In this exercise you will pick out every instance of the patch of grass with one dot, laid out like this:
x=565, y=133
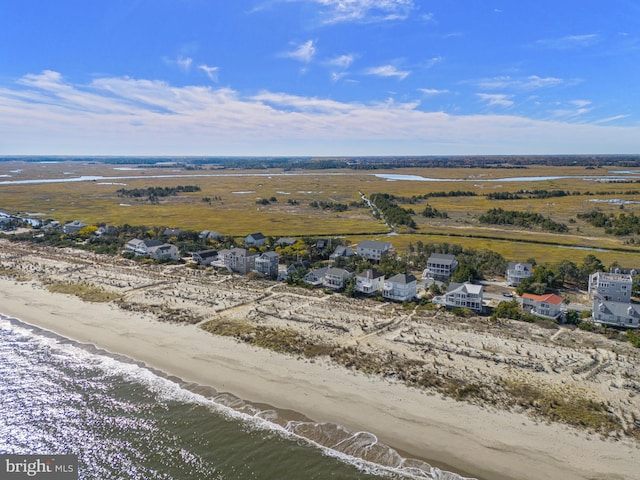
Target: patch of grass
x=572, y=408
x=86, y=292
x=281, y=340
x=14, y=274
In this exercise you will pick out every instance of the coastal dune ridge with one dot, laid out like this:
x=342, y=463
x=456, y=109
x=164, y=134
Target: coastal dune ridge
x=470, y=439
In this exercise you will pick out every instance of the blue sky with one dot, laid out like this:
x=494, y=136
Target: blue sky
x=319, y=77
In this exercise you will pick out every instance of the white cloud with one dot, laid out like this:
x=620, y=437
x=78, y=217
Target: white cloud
x=342, y=61
x=580, y=103
x=531, y=82
x=303, y=53
x=388, y=71
x=433, y=61
x=338, y=11
x=126, y=116
x=611, y=119
x=183, y=63
x=212, y=72
x=570, y=41
x=432, y=91
x=498, y=99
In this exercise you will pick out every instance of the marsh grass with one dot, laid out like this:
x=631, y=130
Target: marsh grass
x=86, y=292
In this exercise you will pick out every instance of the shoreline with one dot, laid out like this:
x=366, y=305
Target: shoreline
x=464, y=438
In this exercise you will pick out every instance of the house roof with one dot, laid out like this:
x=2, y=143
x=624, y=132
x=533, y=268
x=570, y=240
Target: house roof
x=256, y=236
x=612, y=277
x=525, y=266
x=465, y=287
x=619, y=309
x=342, y=251
x=172, y=232
x=318, y=272
x=370, y=274
x=286, y=241
x=372, y=244
x=441, y=258
x=269, y=254
x=402, y=279
x=551, y=298
x=206, y=253
x=338, y=272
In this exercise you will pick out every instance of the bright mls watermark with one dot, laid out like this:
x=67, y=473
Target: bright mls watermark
x=49, y=467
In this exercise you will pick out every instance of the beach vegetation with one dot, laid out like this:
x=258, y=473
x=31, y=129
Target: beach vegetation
x=567, y=406
x=85, y=291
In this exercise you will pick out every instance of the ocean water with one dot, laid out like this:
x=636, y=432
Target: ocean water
x=125, y=421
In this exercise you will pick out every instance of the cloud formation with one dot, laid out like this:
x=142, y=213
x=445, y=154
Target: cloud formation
x=570, y=41
x=338, y=11
x=496, y=99
x=531, y=82
x=303, y=53
x=388, y=71
x=211, y=72
x=47, y=114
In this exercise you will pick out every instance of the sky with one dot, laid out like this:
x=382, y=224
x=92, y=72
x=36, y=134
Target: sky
x=319, y=77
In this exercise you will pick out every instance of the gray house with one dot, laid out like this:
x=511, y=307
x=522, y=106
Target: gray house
x=342, y=251
x=369, y=282
x=440, y=266
x=164, y=252
x=255, y=240
x=335, y=278
x=619, y=314
x=73, y=227
x=267, y=264
x=372, y=250
x=238, y=260
x=516, y=272
x=315, y=277
x=400, y=287
x=204, y=257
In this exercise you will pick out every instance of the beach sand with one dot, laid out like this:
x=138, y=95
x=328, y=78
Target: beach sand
x=469, y=439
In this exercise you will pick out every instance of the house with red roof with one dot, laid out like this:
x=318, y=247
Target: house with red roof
x=547, y=306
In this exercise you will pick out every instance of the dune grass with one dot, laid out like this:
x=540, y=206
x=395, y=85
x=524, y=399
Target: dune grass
x=86, y=292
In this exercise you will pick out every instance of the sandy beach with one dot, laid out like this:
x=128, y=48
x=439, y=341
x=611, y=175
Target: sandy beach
x=484, y=441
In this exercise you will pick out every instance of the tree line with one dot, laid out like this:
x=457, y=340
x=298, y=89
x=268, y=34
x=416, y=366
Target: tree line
x=498, y=216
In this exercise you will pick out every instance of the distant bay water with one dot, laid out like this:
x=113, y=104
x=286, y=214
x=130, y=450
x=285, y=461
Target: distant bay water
x=125, y=421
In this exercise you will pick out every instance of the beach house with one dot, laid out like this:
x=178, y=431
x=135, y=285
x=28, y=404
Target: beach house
x=372, y=250
x=238, y=260
x=341, y=252
x=611, y=287
x=619, y=314
x=464, y=295
x=315, y=277
x=516, y=272
x=204, y=257
x=140, y=247
x=547, y=306
x=255, y=240
x=440, y=266
x=335, y=278
x=164, y=252
x=73, y=227
x=400, y=287
x=369, y=282
x=267, y=264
